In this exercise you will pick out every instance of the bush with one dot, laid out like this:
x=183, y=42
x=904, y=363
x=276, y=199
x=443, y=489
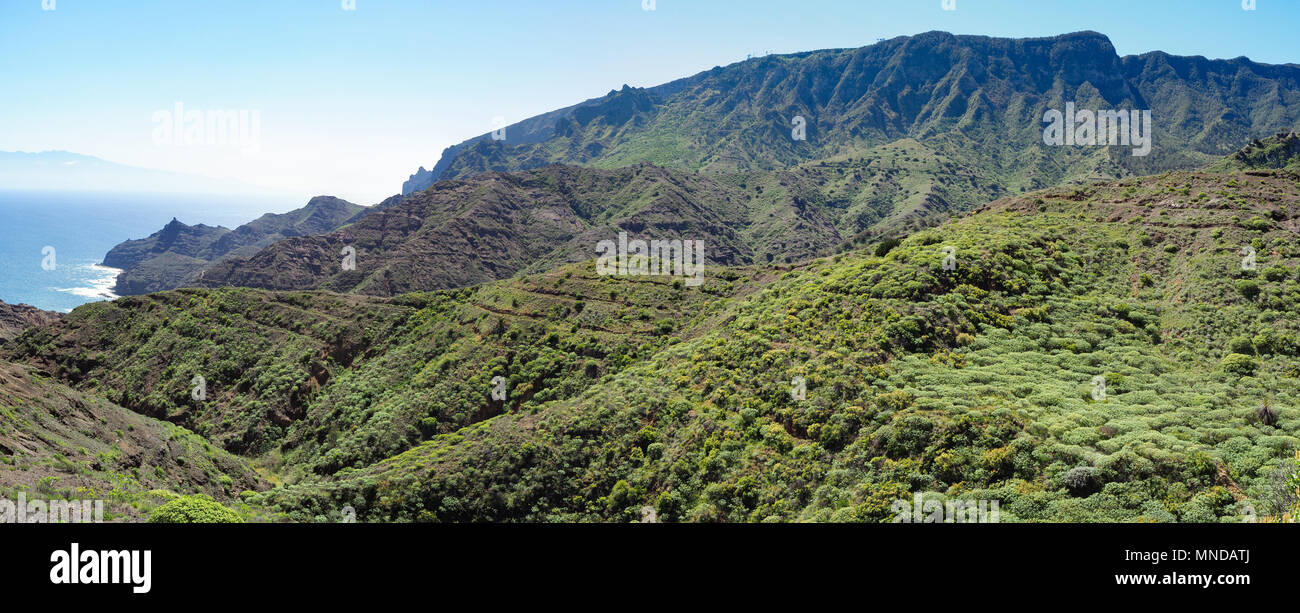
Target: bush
x=1081, y=480
x=886, y=246
x=1275, y=273
x=1257, y=224
x=1238, y=364
x=1248, y=288
x=197, y=509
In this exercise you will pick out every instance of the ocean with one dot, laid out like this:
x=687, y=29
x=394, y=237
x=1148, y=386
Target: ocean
x=81, y=227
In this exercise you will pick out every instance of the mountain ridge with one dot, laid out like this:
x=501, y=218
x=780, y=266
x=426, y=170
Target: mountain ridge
x=494, y=225
x=858, y=88
x=174, y=255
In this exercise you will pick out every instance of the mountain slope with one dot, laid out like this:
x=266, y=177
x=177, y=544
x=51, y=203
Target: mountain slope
x=172, y=256
x=14, y=318
x=976, y=383
x=900, y=135
x=329, y=382
x=1274, y=152
x=976, y=100
x=260, y=356
x=494, y=225
x=60, y=444
x=621, y=393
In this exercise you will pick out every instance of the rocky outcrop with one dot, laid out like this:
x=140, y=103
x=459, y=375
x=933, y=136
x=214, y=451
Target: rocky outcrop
x=175, y=255
x=14, y=318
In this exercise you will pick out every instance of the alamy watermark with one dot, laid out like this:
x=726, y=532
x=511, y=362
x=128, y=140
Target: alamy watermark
x=499, y=391
x=949, y=261
x=675, y=257
x=38, y=511
x=800, y=130
x=199, y=388
x=955, y=511
x=1099, y=388
x=1099, y=128
x=99, y=567
x=349, y=254
x=181, y=127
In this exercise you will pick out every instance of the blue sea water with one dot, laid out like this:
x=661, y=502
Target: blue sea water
x=81, y=227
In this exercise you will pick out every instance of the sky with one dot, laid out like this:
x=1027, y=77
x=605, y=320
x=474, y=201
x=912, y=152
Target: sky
x=349, y=101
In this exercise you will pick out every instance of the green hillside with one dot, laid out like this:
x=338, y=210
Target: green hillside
x=977, y=101
x=623, y=393
x=57, y=443
x=975, y=383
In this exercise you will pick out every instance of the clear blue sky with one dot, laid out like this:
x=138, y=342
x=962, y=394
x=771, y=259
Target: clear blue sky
x=353, y=101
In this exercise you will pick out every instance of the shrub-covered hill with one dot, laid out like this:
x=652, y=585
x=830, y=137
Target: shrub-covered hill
x=317, y=382
x=981, y=382
x=57, y=443
x=260, y=355
x=984, y=382
x=1280, y=151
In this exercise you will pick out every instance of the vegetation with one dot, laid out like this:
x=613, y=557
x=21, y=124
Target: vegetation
x=57, y=443
x=491, y=226
x=1109, y=352
x=198, y=509
x=972, y=102
x=979, y=382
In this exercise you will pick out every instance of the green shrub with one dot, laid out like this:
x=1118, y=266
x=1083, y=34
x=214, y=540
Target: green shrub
x=1243, y=345
x=1275, y=273
x=1258, y=224
x=197, y=509
x=886, y=246
x=1248, y=288
x=1238, y=364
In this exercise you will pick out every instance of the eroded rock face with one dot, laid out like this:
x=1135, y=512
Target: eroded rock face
x=14, y=318
x=494, y=225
